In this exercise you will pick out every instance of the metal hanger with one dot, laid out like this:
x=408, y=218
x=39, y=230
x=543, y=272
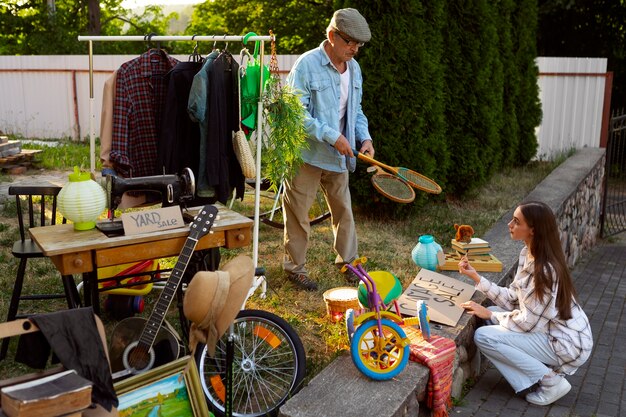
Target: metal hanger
x=148, y=38
x=195, y=56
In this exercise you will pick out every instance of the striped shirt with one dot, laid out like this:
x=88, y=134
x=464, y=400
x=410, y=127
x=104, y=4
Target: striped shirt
x=571, y=339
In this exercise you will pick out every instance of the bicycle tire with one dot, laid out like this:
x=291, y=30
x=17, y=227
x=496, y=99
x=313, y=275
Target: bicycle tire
x=268, y=353
x=280, y=225
x=317, y=213
x=379, y=364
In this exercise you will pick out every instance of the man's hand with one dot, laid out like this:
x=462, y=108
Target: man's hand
x=367, y=148
x=343, y=146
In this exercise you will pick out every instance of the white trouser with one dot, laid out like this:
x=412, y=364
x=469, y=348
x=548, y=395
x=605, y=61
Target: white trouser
x=522, y=358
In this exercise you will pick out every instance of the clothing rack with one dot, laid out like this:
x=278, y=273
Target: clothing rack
x=194, y=38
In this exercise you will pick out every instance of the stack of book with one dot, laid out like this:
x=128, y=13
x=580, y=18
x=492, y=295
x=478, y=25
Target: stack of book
x=477, y=246
x=478, y=253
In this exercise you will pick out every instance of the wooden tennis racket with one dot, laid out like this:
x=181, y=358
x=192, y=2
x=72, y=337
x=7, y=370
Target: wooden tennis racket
x=414, y=179
x=391, y=186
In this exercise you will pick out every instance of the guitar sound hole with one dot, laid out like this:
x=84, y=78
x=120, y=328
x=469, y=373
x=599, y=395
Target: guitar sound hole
x=138, y=358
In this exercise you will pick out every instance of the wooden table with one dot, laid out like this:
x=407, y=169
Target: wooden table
x=83, y=252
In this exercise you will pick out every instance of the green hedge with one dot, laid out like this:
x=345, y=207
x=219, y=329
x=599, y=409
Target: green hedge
x=450, y=90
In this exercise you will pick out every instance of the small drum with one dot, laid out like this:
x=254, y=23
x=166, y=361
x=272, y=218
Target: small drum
x=338, y=300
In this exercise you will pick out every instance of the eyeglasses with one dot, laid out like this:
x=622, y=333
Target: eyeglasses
x=350, y=42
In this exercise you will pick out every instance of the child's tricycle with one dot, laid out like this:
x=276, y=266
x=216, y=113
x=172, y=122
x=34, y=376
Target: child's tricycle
x=378, y=346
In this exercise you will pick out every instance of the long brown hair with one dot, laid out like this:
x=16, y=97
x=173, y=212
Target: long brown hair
x=546, y=247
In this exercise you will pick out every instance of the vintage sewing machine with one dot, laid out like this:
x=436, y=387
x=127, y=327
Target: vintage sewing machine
x=174, y=189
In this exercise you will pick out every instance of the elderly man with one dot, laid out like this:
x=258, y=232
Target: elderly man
x=330, y=83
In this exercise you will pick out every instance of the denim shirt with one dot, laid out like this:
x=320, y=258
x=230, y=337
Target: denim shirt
x=318, y=83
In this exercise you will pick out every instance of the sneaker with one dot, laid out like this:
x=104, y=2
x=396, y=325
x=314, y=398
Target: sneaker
x=340, y=265
x=548, y=394
x=302, y=281
x=349, y=276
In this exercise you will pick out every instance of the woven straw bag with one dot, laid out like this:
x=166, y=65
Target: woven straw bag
x=244, y=154
x=242, y=147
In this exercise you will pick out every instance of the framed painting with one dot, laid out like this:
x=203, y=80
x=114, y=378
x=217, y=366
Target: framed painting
x=171, y=390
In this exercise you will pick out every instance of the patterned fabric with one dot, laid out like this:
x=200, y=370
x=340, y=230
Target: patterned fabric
x=139, y=99
x=438, y=355
x=571, y=339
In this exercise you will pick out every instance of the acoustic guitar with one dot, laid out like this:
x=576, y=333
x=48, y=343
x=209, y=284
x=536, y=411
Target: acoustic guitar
x=138, y=345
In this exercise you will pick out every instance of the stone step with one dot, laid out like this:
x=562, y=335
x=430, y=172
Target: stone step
x=341, y=390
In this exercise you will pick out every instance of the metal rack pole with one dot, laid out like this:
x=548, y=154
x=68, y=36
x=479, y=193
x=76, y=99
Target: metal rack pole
x=92, y=127
x=157, y=38
x=257, y=185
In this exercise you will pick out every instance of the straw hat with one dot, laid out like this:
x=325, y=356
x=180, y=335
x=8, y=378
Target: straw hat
x=213, y=299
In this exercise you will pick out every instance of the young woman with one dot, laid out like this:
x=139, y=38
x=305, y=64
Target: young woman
x=537, y=331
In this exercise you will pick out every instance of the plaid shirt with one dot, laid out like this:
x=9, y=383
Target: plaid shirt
x=139, y=100
x=571, y=339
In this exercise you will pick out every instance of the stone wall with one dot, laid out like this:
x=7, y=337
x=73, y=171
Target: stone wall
x=579, y=217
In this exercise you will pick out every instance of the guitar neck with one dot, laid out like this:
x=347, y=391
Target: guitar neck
x=157, y=316
x=200, y=226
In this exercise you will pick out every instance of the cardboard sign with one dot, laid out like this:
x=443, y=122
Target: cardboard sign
x=164, y=218
x=442, y=294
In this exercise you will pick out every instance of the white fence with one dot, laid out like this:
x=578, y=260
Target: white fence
x=48, y=97
x=572, y=93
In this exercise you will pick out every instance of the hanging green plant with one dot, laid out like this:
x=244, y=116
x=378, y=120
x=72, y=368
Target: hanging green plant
x=284, y=133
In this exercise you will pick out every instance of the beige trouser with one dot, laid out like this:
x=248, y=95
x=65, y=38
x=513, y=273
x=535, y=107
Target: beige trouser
x=298, y=198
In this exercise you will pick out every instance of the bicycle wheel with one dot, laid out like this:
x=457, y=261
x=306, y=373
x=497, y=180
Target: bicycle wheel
x=270, y=206
x=269, y=366
x=379, y=357
x=317, y=214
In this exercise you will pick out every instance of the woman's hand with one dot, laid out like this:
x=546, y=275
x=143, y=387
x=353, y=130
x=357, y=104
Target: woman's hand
x=477, y=310
x=466, y=268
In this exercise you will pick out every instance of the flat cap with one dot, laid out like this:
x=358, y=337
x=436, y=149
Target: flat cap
x=352, y=23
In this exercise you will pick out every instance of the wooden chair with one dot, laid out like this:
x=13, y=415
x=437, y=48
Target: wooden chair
x=36, y=206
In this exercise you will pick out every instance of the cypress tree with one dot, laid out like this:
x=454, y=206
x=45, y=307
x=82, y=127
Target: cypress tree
x=450, y=90
x=528, y=104
x=403, y=91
